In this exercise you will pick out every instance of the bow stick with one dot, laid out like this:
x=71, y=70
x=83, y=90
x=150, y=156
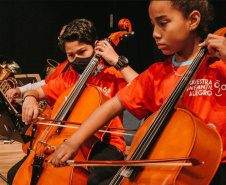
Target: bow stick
x=153, y=162
x=75, y=123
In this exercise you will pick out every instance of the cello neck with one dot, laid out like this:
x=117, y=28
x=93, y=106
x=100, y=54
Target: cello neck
x=76, y=91
x=180, y=87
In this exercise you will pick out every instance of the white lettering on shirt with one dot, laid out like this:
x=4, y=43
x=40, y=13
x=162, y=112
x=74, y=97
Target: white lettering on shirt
x=105, y=90
x=205, y=87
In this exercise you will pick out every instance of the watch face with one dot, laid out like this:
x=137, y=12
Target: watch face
x=124, y=60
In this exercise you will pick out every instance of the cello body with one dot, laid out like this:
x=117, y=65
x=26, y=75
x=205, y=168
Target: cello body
x=196, y=140
x=89, y=100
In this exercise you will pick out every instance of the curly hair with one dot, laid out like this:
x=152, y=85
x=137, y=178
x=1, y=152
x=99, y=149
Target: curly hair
x=80, y=30
x=203, y=6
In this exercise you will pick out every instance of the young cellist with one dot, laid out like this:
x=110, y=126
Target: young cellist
x=78, y=41
x=179, y=27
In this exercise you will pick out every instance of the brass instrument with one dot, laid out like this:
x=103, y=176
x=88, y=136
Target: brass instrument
x=52, y=65
x=7, y=67
x=9, y=83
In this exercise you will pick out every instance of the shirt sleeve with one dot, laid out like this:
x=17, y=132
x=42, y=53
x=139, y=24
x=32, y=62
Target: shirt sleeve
x=136, y=96
x=32, y=86
x=121, y=83
x=56, y=73
x=119, y=80
x=56, y=87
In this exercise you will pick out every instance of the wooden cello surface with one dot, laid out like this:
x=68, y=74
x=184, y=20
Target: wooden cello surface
x=28, y=146
x=90, y=99
x=184, y=136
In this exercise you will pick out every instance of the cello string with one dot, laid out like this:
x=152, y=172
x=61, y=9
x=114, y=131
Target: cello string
x=74, y=93
x=186, y=74
x=143, y=146
x=65, y=107
x=47, y=132
x=116, y=178
x=81, y=82
x=76, y=89
x=170, y=102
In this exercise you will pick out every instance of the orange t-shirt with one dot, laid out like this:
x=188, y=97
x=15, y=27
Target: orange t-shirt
x=58, y=70
x=109, y=81
x=205, y=95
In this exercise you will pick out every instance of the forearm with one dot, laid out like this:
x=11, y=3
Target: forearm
x=37, y=93
x=105, y=50
x=30, y=108
x=128, y=74
x=100, y=117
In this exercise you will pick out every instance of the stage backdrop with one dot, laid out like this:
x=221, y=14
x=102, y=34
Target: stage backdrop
x=29, y=29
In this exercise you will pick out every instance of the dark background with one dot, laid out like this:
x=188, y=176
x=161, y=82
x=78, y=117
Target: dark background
x=29, y=29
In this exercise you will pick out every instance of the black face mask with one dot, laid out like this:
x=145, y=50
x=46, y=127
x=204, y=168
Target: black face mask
x=79, y=64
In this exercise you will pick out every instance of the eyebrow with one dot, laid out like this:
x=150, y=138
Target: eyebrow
x=160, y=17
x=78, y=50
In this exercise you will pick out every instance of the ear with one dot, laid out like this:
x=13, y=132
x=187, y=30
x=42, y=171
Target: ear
x=194, y=19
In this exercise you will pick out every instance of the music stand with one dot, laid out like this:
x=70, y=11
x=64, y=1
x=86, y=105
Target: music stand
x=11, y=127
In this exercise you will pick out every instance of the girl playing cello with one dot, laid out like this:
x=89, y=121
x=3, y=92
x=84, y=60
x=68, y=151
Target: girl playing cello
x=179, y=27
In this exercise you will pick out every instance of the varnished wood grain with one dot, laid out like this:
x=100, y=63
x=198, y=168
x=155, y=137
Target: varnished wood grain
x=10, y=154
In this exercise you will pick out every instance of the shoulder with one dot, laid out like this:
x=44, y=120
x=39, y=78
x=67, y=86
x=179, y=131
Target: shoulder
x=217, y=65
x=160, y=67
x=165, y=63
x=69, y=75
x=62, y=64
x=67, y=78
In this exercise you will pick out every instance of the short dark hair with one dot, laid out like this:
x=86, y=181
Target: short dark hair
x=81, y=30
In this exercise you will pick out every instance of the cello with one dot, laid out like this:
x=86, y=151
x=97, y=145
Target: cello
x=35, y=170
x=174, y=132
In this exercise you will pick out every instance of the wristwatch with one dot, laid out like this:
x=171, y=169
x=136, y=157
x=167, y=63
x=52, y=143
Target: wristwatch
x=122, y=62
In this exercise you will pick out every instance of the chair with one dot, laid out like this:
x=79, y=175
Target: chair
x=130, y=121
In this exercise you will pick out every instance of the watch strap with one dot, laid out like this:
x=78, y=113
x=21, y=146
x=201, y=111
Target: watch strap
x=122, y=62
